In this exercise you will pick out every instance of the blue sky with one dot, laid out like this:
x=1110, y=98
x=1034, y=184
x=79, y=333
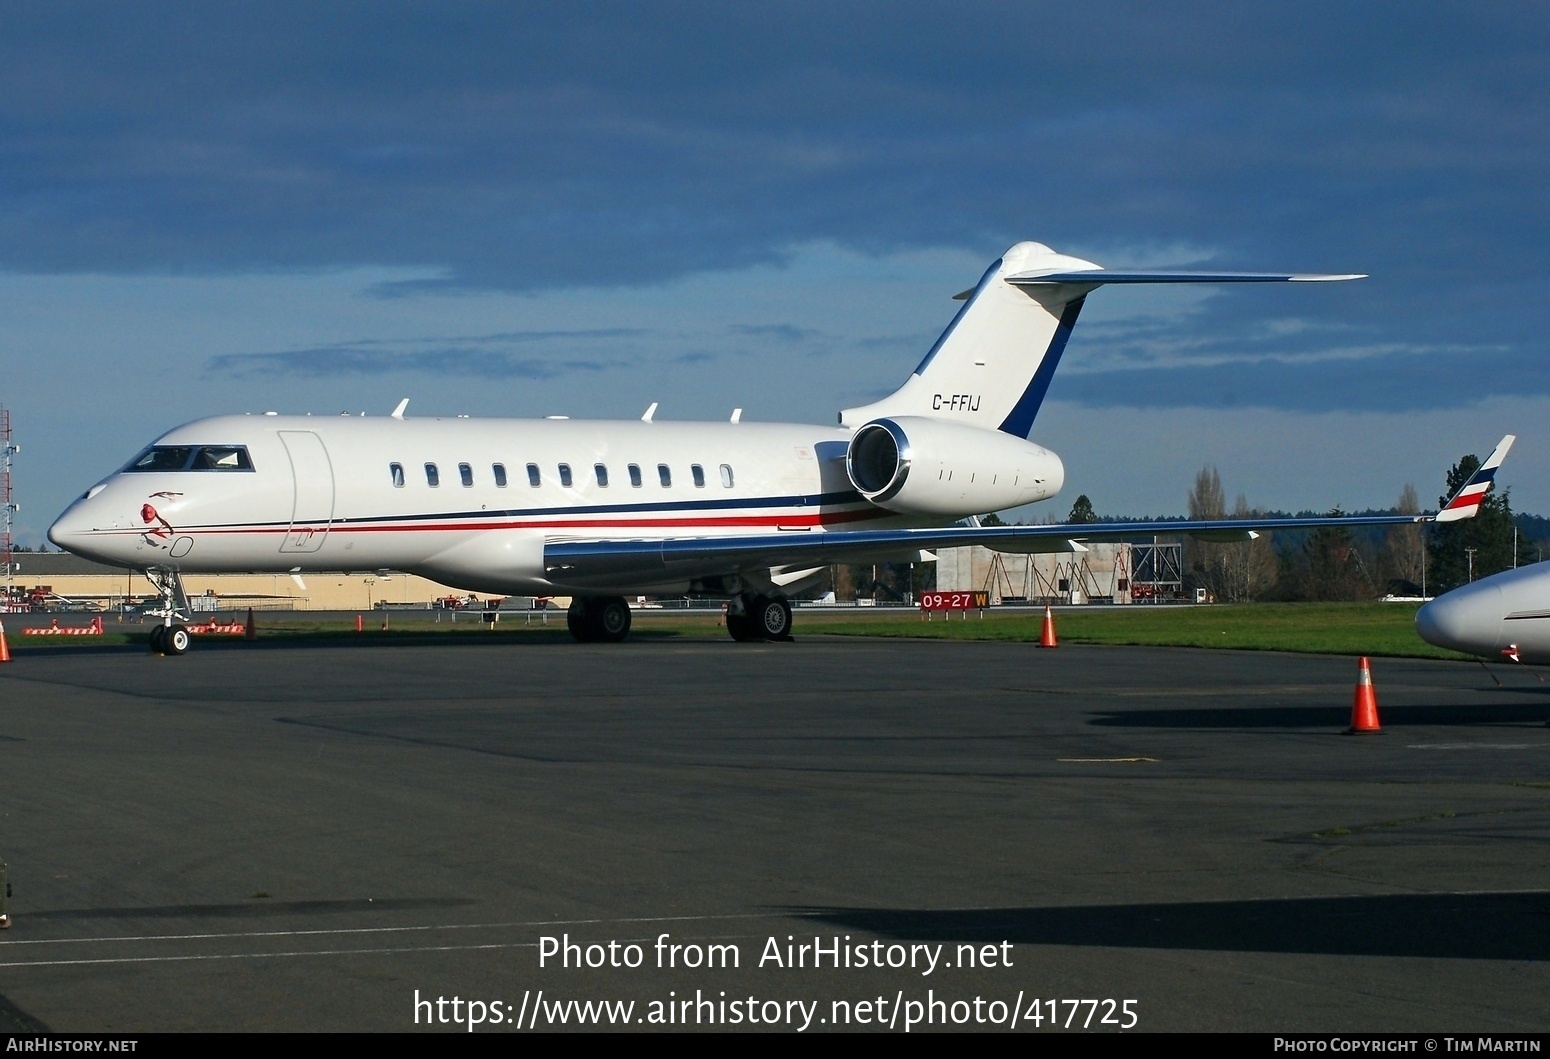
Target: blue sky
x=581, y=209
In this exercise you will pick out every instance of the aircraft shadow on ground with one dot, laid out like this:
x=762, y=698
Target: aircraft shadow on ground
x=1506, y=926
x=1321, y=716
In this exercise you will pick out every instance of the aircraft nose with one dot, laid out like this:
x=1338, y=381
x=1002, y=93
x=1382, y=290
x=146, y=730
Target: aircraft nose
x=76, y=530
x=1467, y=619
x=69, y=529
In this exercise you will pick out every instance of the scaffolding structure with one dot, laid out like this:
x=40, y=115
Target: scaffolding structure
x=8, y=508
x=1158, y=571
x=1065, y=577
x=1101, y=572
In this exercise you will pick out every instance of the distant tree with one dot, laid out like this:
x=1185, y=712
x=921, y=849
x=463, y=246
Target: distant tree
x=1404, y=549
x=1206, y=499
x=1082, y=511
x=991, y=519
x=1330, y=566
x=1472, y=547
x=1207, y=565
x=1252, y=569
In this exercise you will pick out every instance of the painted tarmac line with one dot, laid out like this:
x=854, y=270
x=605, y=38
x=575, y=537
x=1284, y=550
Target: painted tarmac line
x=270, y=955
x=383, y=930
x=1477, y=746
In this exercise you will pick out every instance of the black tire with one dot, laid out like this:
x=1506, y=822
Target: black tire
x=578, y=619
x=177, y=640
x=610, y=619
x=772, y=619
x=157, y=632
x=741, y=628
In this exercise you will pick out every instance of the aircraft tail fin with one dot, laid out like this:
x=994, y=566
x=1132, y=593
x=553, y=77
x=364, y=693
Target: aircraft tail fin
x=993, y=365
x=1466, y=502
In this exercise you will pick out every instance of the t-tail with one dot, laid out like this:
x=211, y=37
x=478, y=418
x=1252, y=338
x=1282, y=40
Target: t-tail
x=993, y=365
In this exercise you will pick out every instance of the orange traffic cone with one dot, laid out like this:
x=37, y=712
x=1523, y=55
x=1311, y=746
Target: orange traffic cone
x=5, y=649
x=1047, y=634
x=360, y=623
x=1364, y=707
x=250, y=631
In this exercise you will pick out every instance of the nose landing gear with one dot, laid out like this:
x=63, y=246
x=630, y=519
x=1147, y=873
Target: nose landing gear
x=171, y=637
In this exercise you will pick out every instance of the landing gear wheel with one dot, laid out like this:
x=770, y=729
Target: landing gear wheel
x=610, y=619
x=741, y=628
x=578, y=619
x=176, y=640
x=158, y=636
x=592, y=619
x=773, y=618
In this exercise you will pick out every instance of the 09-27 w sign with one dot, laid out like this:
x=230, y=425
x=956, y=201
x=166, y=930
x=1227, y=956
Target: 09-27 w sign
x=954, y=600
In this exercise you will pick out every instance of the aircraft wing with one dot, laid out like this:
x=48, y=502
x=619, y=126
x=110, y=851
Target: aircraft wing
x=583, y=562
x=578, y=562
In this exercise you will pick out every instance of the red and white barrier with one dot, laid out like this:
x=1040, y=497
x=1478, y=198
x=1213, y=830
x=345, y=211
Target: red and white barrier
x=215, y=628
x=56, y=629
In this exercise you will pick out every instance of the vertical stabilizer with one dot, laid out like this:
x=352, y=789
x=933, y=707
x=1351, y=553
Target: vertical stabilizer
x=993, y=365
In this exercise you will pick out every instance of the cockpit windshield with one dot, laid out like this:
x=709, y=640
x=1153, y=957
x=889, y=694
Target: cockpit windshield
x=192, y=458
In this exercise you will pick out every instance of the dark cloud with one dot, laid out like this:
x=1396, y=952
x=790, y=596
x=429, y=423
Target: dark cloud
x=476, y=356
x=1388, y=382
x=526, y=146
x=789, y=334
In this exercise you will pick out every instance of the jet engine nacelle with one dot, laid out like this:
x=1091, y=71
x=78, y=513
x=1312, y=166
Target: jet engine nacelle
x=920, y=466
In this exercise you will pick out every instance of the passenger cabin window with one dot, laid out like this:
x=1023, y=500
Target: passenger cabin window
x=699, y=475
x=635, y=475
x=565, y=475
x=432, y=475
x=191, y=458
x=602, y=474
x=397, y=471
x=466, y=473
x=500, y=475
x=726, y=475
x=532, y=475
x=664, y=475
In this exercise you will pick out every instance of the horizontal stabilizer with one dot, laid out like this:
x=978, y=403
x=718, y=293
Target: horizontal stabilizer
x=1103, y=275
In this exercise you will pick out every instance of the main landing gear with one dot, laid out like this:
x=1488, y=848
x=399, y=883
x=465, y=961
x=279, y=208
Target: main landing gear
x=594, y=619
x=752, y=618
x=171, y=637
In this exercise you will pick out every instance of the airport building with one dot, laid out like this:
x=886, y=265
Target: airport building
x=62, y=580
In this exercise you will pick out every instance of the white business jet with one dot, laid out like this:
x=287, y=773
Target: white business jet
x=1505, y=617
x=748, y=512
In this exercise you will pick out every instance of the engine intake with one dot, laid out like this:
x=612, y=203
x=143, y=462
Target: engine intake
x=920, y=466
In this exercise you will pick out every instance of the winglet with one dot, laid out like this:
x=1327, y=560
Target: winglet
x=1466, y=502
x=398, y=413
x=649, y=413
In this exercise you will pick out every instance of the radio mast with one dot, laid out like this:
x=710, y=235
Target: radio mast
x=8, y=507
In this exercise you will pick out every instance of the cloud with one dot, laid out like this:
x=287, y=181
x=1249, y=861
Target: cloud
x=1385, y=382
x=526, y=147
x=473, y=356
x=787, y=333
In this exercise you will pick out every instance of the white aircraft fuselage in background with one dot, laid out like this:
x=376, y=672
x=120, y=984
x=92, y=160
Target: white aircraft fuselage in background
x=1502, y=617
x=749, y=512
